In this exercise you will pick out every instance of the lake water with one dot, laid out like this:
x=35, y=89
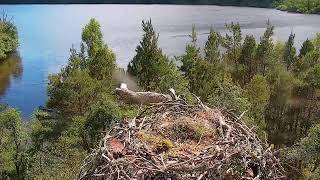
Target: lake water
x=48, y=31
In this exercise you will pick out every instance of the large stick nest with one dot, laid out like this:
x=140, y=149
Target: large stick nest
x=174, y=140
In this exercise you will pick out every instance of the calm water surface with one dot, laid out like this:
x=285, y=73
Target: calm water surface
x=48, y=31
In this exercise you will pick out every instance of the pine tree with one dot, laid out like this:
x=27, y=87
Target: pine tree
x=191, y=61
x=232, y=41
x=265, y=47
x=148, y=57
x=92, y=37
x=307, y=47
x=87, y=74
x=212, y=52
x=258, y=94
x=289, y=52
x=150, y=66
x=247, y=61
x=100, y=59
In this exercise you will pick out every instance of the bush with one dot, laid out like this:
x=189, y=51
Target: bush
x=8, y=37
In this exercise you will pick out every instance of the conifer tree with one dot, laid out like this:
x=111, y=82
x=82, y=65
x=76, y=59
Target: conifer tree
x=307, y=47
x=191, y=61
x=265, y=47
x=211, y=49
x=149, y=56
x=100, y=59
x=258, y=93
x=289, y=52
x=87, y=74
x=150, y=66
x=247, y=61
x=232, y=42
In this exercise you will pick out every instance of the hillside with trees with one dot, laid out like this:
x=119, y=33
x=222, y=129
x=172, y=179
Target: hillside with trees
x=272, y=85
x=300, y=6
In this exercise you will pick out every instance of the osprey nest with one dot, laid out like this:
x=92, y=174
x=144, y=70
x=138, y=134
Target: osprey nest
x=177, y=141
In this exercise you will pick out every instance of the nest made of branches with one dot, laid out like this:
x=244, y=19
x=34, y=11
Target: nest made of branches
x=174, y=140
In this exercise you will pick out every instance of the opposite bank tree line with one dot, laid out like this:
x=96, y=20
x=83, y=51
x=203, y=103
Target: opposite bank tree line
x=272, y=83
x=9, y=40
x=300, y=6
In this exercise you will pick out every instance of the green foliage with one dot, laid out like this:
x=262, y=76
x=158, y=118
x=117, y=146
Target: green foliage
x=9, y=40
x=102, y=65
x=92, y=37
x=264, y=50
x=209, y=76
x=313, y=77
x=151, y=67
x=101, y=117
x=232, y=44
x=307, y=47
x=43, y=128
x=309, y=60
x=258, y=94
x=300, y=6
x=289, y=52
x=59, y=159
x=204, y=74
x=81, y=109
x=74, y=94
x=148, y=57
x=229, y=96
x=191, y=60
x=211, y=50
x=100, y=60
x=316, y=41
x=87, y=74
x=13, y=145
x=281, y=85
x=308, y=151
x=248, y=65
x=311, y=144
x=258, y=91
x=172, y=78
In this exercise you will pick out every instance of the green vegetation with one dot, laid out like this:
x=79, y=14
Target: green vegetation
x=13, y=143
x=275, y=87
x=8, y=37
x=300, y=6
x=152, y=69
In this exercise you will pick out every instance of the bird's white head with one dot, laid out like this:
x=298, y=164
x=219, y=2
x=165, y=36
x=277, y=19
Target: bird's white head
x=123, y=86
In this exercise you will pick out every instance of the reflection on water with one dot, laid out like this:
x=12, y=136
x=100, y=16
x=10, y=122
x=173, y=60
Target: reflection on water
x=10, y=68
